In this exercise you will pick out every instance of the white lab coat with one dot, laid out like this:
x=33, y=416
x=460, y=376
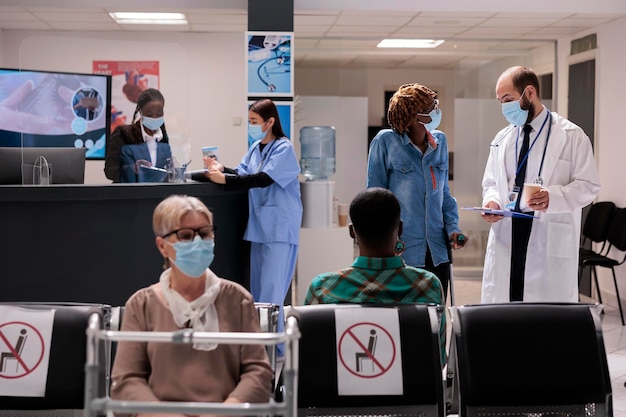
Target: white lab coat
x=570, y=175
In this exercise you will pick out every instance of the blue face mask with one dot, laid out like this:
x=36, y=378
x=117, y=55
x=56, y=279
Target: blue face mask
x=256, y=132
x=193, y=258
x=435, y=119
x=514, y=113
x=152, y=123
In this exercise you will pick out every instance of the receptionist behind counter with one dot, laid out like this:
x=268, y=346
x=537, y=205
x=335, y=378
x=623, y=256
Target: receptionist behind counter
x=144, y=142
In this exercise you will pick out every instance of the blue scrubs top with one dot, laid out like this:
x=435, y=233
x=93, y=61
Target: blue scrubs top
x=275, y=212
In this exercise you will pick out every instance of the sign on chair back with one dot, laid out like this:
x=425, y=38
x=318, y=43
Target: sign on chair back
x=42, y=357
x=369, y=360
x=531, y=359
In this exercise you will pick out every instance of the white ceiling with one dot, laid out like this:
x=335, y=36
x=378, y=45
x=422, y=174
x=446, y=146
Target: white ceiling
x=334, y=37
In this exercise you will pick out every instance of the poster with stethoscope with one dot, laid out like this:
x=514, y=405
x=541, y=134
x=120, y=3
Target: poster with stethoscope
x=285, y=113
x=269, y=64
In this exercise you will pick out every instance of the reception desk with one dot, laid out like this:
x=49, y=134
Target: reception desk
x=83, y=243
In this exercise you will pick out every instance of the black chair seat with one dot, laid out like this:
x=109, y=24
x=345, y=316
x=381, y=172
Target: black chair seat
x=599, y=260
x=585, y=253
x=510, y=356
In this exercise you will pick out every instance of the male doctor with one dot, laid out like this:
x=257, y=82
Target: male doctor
x=535, y=259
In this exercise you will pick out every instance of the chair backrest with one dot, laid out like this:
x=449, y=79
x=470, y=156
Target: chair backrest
x=402, y=376
x=65, y=381
x=598, y=221
x=524, y=358
x=617, y=233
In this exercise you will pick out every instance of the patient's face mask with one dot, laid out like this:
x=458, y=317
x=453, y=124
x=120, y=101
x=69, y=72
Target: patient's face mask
x=435, y=119
x=193, y=258
x=152, y=123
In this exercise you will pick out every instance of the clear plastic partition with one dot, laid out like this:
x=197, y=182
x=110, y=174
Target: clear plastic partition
x=59, y=95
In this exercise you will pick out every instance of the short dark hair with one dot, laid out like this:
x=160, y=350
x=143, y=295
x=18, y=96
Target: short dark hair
x=522, y=77
x=266, y=109
x=375, y=215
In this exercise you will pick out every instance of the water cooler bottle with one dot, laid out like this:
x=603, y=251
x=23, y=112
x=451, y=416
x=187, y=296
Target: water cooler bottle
x=317, y=164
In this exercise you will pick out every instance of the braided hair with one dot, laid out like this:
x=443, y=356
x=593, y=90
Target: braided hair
x=405, y=103
x=148, y=95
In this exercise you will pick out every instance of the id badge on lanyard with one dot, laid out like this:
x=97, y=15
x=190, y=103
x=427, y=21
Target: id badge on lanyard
x=512, y=198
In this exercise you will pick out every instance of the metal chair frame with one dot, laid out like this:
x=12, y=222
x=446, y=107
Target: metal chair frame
x=616, y=239
x=95, y=405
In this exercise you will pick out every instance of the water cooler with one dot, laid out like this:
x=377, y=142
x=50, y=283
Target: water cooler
x=323, y=246
x=317, y=163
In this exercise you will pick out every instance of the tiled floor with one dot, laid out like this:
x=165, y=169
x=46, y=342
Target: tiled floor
x=467, y=291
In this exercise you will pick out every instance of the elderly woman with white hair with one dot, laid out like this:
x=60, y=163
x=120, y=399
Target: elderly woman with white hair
x=189, y=295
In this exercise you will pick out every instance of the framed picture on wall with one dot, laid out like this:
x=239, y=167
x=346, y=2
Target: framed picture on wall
x=285, y=113
x=269, y=64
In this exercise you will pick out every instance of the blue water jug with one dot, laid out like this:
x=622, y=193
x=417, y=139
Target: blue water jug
x=317, y=152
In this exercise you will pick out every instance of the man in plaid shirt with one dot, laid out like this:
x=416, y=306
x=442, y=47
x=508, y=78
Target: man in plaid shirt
x=378, y=275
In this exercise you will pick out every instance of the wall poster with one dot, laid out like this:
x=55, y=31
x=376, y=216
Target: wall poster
x=129, y=79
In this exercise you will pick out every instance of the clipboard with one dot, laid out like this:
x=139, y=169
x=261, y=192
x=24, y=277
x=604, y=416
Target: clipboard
x=505, y=213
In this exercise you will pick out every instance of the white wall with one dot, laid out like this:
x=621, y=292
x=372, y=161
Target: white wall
x=610, y=141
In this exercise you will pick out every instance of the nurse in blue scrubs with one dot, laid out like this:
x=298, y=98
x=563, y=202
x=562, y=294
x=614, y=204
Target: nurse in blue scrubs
x=270, y=172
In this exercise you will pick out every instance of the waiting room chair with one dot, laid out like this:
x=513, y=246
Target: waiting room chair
x=64, y=388
x=616, y=240
x=595, y=229
x=527, y=359
x=337, y=337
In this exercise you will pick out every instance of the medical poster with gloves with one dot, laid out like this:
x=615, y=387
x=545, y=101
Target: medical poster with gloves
x=269, y=64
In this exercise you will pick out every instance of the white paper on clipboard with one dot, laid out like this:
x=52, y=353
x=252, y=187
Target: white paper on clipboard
x=505, y=213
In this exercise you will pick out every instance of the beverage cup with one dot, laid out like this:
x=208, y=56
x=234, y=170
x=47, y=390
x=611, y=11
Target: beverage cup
x=530, y=189
x=342, y=211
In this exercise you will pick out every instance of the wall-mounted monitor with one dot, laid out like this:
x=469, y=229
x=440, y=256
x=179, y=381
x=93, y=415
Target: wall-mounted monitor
x=55, y=109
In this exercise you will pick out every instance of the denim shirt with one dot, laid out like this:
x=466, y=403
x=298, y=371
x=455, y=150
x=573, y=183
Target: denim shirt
x=420, y=182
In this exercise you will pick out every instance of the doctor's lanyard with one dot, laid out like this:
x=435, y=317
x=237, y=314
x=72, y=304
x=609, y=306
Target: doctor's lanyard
x=545, y=147
x=264, y=157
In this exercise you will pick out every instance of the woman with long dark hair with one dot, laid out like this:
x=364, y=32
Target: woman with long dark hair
x=269, y=170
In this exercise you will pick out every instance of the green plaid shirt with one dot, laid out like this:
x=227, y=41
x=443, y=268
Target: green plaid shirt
x=379, y=280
